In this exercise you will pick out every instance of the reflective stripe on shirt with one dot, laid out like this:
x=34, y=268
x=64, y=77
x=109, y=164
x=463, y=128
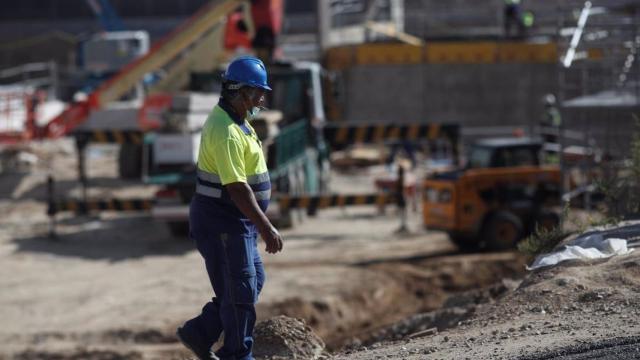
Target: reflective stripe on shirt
x=209, y=184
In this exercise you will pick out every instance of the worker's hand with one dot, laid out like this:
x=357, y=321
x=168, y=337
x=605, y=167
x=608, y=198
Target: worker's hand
x=272, y=238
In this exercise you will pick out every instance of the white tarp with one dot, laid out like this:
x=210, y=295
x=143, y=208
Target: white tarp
x=593, y=246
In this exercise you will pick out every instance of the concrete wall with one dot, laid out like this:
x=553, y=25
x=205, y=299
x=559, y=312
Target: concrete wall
x=475, y=96
x=469, y=94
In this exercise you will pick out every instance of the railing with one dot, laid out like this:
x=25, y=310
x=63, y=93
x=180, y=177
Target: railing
x=21, y=88
x=42, y=75
x=12, y=111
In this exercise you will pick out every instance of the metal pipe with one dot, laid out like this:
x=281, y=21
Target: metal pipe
x=575, y=40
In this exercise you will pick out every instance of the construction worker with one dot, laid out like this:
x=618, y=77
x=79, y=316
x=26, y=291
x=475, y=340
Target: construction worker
x=513, y=16
x=551, y=120
x=227, y=214
x=550, y=127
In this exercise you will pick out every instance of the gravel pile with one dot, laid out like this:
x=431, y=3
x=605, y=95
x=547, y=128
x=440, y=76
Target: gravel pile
x=282, y=337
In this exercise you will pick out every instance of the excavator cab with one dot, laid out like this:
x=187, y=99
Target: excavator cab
x=505, y=152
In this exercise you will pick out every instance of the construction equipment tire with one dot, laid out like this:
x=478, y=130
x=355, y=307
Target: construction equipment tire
x=502, y=231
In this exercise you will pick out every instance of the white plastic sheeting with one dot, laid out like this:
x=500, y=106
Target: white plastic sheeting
x=593, y=246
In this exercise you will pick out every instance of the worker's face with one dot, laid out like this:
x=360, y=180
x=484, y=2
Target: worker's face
x=254, y=97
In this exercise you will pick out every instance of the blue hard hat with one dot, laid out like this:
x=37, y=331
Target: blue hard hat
x=248, y=71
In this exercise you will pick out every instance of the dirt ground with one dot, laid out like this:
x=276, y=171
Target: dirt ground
x=575, y=310
x=115, y=286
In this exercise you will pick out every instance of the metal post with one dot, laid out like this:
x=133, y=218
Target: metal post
x=561, y=87
x=323, y=9
x=584, y=163
x=401, y=202
x=55, y=81
x=560, y=131
x=51, y=209
x=397, y=14
x=81, y=145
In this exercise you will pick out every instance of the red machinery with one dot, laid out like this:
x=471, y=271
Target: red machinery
x=266, y=16
x=173, y=46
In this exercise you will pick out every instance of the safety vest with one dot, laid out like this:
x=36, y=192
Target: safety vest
x=230, y=152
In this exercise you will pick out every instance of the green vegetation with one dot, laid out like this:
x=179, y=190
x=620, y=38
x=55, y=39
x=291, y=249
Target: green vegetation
x=544, y=240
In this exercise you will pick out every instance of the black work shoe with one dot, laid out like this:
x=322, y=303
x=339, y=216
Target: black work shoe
x=196, y=349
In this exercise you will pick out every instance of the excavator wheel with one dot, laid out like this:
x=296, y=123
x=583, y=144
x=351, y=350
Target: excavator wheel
x=502, y=231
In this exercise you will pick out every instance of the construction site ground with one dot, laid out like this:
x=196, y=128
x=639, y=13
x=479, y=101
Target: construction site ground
x=115, y=286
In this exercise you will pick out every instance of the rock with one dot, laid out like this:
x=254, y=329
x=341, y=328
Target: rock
x=282, y=337
x=591, y=296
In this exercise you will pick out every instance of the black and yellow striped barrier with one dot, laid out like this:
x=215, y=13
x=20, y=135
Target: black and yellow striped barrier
x=313, y=203
x=112, y=136
x=339, y=135
x=84, y=207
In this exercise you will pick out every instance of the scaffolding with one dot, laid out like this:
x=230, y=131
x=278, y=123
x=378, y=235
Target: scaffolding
x=599, y=77
x=599, y=84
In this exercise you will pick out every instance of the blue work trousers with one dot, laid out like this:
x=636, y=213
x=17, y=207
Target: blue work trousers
x=235, y=269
